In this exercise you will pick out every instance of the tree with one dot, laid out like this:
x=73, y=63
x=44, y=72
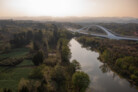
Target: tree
x=80, y=81
x=59, y=77
x=64, y=50
x=29, y=35
x=65, y=54
x=45, y=49
x=36, y=45
x=7, y=90
x=76, y=65
x=19, y=40
x=24, y=89
x=23, y=85
x=106, y=56
x=55, y=33
x=42, y=88
x=60, y=45
x=55, y=37
x=38, y=36
x=37, y=73
x=38, y=58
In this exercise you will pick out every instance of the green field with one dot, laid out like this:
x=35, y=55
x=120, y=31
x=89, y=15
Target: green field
x=10, y=76
x=26, y=63
x=15, y=53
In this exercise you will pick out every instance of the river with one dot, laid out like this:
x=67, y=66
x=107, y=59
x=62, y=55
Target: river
x=103, y=79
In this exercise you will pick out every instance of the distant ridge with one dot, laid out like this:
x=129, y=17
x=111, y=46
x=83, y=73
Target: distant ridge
x=79, y=19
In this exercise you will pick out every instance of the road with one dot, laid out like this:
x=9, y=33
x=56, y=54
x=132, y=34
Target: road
x=109, y=34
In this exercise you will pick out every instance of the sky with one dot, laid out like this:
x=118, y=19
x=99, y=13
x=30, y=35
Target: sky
x=64, y=8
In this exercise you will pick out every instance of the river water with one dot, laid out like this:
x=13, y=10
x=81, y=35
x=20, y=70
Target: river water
x=103, y=79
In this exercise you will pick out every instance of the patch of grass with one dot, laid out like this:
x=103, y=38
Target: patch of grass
x=16, y=53
x=11, y=84
x=1, y=43
x=3, y=69
x=15, y=73
x=26, y=63
x=11, y=77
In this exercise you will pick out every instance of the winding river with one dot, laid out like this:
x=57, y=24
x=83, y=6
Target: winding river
x=103, y=79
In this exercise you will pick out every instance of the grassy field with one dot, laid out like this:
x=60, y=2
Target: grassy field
x=15, y=53
x=10, y=76
x=26, y=63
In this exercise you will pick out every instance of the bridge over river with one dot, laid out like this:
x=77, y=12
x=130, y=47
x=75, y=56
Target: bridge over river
x=109, y=35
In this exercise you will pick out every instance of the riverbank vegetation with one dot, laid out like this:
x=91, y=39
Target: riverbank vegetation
x=35, y=57
x=120, y=55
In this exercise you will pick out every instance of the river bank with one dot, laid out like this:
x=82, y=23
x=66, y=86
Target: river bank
x=103, y=79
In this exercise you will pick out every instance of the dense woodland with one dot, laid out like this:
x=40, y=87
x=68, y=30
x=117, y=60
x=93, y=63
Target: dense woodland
x=120, y=55
x=35, y=57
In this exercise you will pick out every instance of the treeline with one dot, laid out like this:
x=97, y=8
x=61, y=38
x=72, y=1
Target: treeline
x=121, y=56
x=35, y=39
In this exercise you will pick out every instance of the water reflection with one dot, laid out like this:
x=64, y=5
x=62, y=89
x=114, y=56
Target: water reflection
x=104, y=68
x=101, y=76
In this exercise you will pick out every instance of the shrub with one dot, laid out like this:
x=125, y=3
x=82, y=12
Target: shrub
x=76, y=65
x=37, y=73
x=38, y=58
x=80, y=81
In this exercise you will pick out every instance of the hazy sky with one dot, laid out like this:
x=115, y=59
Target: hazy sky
x=90, y=8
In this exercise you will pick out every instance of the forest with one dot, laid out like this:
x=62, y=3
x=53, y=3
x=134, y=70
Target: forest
x=35, y=57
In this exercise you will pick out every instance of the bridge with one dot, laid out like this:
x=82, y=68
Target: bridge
x=109, y=35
